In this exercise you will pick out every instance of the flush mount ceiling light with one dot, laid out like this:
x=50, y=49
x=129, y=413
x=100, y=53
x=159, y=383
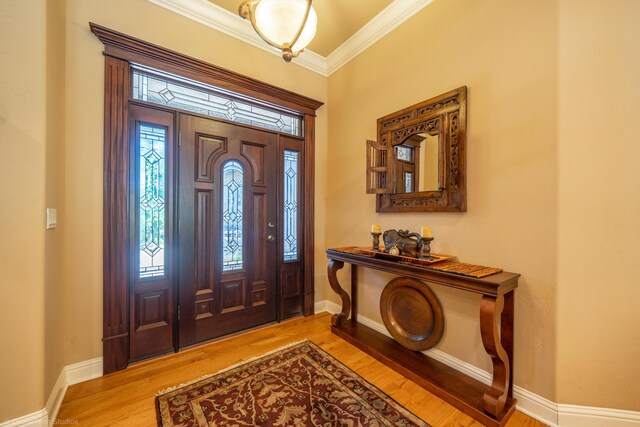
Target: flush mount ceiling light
x=288, y=25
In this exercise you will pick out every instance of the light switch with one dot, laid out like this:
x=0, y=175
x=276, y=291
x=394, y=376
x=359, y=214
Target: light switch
x=52, y=218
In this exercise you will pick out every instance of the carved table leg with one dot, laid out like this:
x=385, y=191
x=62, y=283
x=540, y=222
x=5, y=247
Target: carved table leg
x=506, y=334
x=332, y=269
x=495, y=397
x=354, y=294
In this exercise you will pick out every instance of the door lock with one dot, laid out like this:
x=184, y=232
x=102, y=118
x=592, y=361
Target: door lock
x=271, y=238
x=271, y=225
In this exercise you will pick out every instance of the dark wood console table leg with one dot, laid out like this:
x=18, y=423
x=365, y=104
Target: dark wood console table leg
x=506, y=334
x=498, y=342
x=332, y=270
x=354, y=294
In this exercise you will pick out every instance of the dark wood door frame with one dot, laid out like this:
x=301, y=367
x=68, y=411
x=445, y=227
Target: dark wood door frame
x=121, y=50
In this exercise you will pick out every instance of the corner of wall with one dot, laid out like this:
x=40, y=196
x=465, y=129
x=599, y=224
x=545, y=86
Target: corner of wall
x=54, y=332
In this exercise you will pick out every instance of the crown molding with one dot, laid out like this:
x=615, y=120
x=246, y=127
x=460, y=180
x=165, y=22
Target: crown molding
x=382, y=24
x=222, y=20
x=233, y=25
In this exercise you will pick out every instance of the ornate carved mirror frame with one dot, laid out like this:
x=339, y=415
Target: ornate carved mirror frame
x=444, y=115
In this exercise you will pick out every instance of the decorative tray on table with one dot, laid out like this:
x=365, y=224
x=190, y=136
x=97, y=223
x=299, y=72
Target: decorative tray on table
x=439, y=262
x=404, y=258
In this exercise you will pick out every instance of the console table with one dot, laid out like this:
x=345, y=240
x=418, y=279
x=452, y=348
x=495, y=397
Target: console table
x=492, y=406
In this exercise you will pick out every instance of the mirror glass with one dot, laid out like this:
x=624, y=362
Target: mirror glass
x=416, y=164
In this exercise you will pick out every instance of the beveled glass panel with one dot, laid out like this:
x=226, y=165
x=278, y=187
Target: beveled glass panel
x=232, y=214
x=203, y=99
x=291, y=177
x=151, y=202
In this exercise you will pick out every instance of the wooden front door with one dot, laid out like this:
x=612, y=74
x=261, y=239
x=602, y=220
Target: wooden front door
x=227, y=213
x=140, y=320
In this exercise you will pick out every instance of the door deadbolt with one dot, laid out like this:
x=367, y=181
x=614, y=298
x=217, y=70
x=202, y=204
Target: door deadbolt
x=271, y=225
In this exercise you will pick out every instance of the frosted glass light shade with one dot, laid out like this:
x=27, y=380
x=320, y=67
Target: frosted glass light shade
x=279, y=20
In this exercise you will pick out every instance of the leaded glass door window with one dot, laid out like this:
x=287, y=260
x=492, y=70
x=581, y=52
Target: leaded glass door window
x=151, y=204
x=184, y=94
x=232, y=215
x=291, y=205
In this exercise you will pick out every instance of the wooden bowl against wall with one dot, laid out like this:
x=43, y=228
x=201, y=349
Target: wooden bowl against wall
x=412, y=313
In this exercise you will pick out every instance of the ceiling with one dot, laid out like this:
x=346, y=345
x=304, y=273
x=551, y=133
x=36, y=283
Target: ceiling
x=337, y=19
x=346, y=28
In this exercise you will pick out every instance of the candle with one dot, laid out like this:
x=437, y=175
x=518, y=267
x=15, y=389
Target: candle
x=375, y=228
x=426, y=231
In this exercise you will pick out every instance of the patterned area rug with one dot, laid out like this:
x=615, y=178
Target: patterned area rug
x=300, y=385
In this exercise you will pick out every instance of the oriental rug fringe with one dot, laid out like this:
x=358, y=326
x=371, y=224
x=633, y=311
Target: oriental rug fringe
x=299, y=385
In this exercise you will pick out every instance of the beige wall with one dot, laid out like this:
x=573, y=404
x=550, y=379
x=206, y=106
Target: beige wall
x=599, y=204
x=22, y=204
x=84, y=129
x=546, y=81
x=512, y=155
x=53, y=279
x=54, y=194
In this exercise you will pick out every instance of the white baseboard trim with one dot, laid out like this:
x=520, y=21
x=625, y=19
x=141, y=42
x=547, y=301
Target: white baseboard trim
x=538, y=407
x=69, y=375
x=326, y=305
x=38, y=418
x=544, y=410
x=56, y=396
x=83, y=371
x=587, y=416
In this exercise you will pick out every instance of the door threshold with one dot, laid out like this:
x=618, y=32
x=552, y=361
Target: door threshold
x=235, y=334
x=196, y=346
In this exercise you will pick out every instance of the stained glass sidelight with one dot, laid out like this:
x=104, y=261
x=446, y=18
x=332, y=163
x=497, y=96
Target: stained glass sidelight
x=290, y=205
x=151, y=203
x=232, y=185
x=199, y=98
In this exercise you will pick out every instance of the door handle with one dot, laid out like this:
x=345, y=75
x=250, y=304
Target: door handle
x=271, y=238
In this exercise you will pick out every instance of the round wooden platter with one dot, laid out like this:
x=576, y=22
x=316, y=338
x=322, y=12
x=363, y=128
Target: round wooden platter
x=412, y=313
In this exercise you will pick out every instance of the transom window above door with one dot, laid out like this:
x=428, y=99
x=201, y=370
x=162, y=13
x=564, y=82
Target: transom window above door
x=178, y=92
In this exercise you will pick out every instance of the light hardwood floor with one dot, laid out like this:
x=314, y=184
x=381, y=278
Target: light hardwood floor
x=126, y=398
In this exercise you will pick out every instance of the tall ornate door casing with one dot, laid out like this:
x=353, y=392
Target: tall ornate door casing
x=227, y=240
x=133, y=332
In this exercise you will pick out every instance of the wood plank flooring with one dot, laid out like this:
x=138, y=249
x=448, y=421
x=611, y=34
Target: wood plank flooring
x=126, y=398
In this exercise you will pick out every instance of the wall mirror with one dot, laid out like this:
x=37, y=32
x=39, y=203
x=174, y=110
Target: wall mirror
x=418, y=162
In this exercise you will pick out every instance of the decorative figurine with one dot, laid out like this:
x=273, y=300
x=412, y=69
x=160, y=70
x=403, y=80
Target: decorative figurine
x=404, y=242
x=408, y=243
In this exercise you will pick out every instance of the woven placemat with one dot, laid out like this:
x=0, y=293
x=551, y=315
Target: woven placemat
x=461, y=268
x=436, y=262
x=355, y=250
